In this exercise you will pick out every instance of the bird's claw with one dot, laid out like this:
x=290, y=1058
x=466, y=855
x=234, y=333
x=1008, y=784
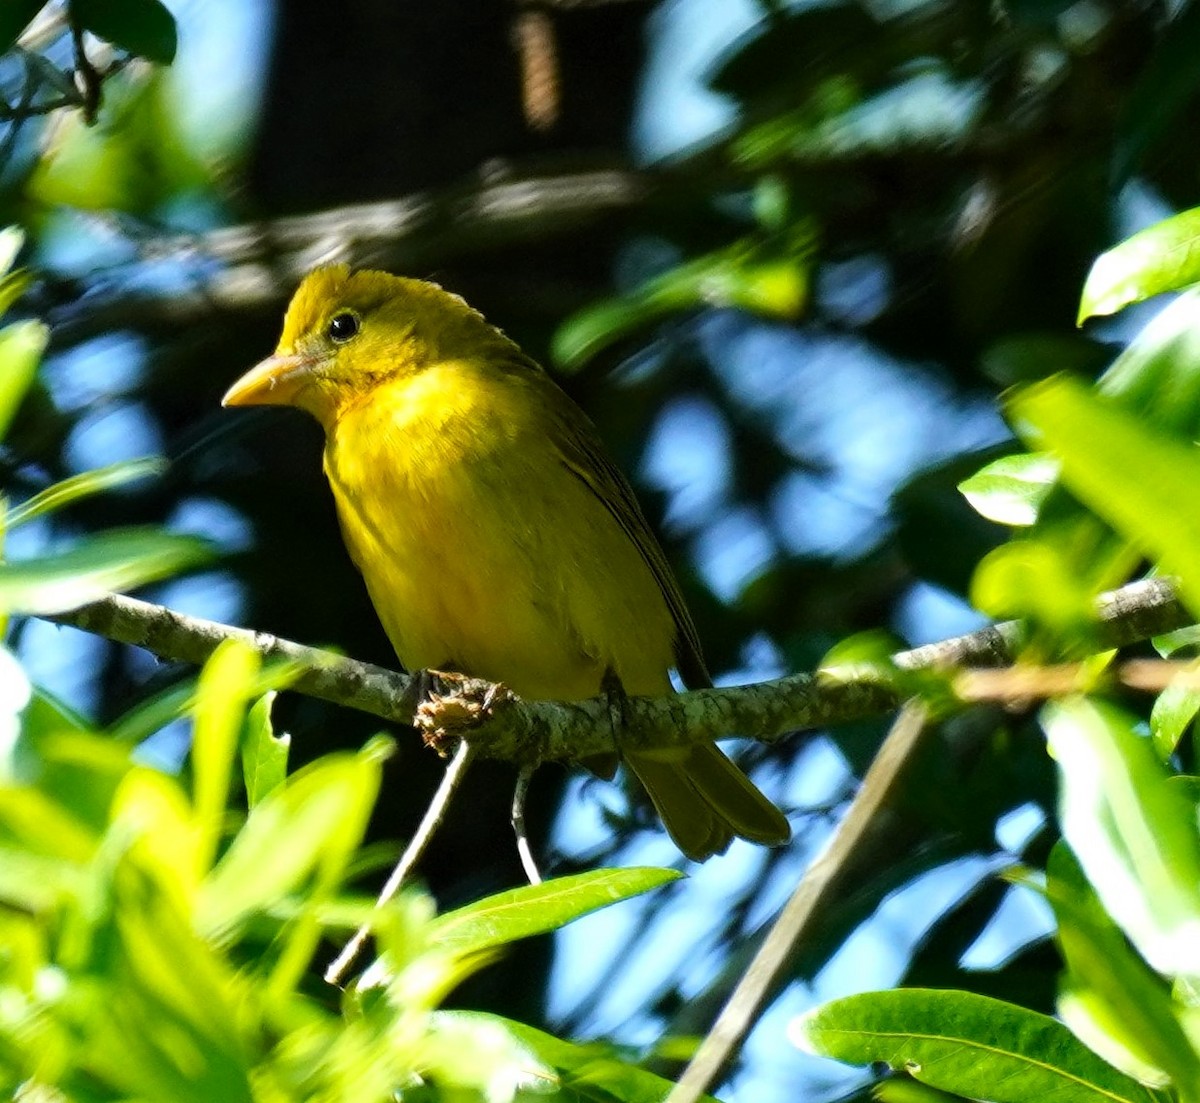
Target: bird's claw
x=452, y=705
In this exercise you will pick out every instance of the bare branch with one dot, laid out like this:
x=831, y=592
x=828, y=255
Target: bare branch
x=820, y=881
x=255, y=266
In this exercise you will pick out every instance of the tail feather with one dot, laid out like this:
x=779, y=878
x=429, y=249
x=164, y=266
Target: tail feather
x=705, y=800
x=747, y=812
x=690, y=821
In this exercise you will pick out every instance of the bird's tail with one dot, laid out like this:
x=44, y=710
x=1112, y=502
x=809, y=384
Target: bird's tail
x=704, y=800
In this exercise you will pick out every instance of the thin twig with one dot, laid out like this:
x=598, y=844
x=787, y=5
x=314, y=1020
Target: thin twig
x=430, y=822
x=820, y=880
x=1021, y=684
x=85, y=74
x=520, y=791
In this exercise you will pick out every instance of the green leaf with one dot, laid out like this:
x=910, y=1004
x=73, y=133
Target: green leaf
x=1034, y=579
x=79, y=771
x=15, y=16
x=1143, y=483
x=535, y=909
x=1163, y=257
x=15, y=694
x=264, y=754
x=967, y=1044
x=117, y=560
x=1134, y=833
x=46, y=714
x=1110, y=997
x=540, y=1062
x=1011, y=490
x=743, y=275
x=1174, y=709
x=83, y=486
x=143, y=27
x=221, y=694
x=168, y=1028
x=1185, y=640
x=1158, y=373
x=903, y=1089
x=12, y=287
x=21, y=348
x=11, y=237
x=313, y=822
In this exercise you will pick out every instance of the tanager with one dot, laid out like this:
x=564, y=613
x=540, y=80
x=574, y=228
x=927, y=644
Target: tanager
x=495, y=535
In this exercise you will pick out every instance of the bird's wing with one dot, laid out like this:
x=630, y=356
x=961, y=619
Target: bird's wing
x=587, y=459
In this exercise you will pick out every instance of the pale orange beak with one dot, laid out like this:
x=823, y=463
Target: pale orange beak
x=274, y=382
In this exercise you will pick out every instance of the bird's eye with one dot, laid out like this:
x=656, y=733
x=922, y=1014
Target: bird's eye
x=342, y=327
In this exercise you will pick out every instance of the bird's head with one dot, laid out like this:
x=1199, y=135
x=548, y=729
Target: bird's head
x=346, y=332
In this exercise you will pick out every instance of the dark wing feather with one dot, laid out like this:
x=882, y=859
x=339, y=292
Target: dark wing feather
x=586, y=458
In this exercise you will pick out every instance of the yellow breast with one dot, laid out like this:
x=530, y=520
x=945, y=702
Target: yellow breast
x=481, y=550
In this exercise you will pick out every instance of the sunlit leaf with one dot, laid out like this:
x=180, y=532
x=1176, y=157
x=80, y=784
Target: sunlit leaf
x=1091, y=1020
x=264, y=754
x=1109, y=996
x=550, y=1066
x=535, y=909
x=466, y=1053
x=117, y=560
x=21, y=348
x=82, y=486
x=1010, y=490
x=46, y=714
x=221, y=695
x=155, y=712
x=1180, y=643
x=13, y=284
x=1157, y=375
x=1174, y=710
x=1034, y=579
x=964, y=1043
x=143, y=27
x=77, y=770
x=11, y=237
x=15, y=693
x=134, y=159
x=1134, y=833
x=742, y=276
x=159, y=709
x=153, y=812
x=1129, y=475
x=12, y=287
x=314, y=820
x=35, y=882
x=1163, y=257
x=169, y=1029
x=38, y=825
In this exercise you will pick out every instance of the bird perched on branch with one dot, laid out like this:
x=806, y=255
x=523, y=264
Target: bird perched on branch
x=495, y=535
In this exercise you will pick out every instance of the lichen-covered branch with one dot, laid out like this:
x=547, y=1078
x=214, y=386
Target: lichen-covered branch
x=500, y=725
x=181, y=638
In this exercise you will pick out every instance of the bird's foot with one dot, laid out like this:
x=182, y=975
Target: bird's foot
x=451, y=705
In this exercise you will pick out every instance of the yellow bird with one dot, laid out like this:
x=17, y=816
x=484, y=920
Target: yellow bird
x=495, y=535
